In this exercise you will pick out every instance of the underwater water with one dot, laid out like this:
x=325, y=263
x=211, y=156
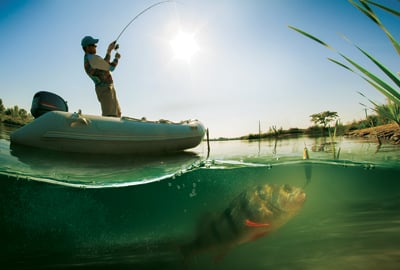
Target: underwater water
x=65, y=211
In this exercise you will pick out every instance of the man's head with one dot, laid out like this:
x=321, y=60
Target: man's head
x=89, y=44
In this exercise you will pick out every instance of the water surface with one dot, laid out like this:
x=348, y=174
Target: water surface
x=62, y=211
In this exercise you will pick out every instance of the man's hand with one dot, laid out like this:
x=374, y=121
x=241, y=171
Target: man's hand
x=117, y=56
x=111, y=46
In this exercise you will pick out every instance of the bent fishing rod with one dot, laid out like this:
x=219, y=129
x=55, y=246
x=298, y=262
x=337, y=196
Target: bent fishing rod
x=137, y=16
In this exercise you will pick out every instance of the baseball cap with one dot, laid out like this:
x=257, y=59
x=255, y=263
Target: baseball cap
x=88, y=40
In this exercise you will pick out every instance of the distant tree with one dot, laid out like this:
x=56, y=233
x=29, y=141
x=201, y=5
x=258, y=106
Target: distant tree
x=23, y=114
x=13, y=112
x=324, y=118
x=2, y=108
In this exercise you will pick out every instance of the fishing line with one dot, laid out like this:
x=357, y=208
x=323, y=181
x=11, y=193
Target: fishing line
x=138, y=15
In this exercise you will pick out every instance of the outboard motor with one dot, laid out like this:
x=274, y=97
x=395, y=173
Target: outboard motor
x=44, y=102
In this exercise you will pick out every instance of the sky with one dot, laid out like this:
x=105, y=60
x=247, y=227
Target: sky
x=249, y=66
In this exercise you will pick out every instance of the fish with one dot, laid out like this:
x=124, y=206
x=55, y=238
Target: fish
x=254, y=213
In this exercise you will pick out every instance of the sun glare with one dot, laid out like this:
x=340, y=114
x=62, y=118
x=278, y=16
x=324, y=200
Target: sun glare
x=184, y=46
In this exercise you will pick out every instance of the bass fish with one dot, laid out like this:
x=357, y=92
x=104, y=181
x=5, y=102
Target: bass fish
x=252, y=214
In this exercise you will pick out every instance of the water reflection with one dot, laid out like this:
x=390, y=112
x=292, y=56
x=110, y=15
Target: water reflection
x=5, y=131
x=99, y=169
x=94, y=169
x=343, y=149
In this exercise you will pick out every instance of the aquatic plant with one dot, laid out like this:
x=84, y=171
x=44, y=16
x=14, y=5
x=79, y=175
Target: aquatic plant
x=332, y=136
x=274, y=131
x=389, y=112
x=379, y=84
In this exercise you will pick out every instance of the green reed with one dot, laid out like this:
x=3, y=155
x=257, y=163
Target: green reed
x=389, y=111
x=392, y=93
x=332, y=136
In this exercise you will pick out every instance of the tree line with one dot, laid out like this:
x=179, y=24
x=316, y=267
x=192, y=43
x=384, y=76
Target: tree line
x=14, y=115
x=326, y=121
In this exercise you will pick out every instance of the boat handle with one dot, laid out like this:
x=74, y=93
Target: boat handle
x=78, y=120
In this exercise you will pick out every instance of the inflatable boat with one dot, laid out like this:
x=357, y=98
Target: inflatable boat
x=55, y=128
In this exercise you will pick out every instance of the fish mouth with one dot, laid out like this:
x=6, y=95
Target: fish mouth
x=298, y=196
x=293, y=200
x=301, y=197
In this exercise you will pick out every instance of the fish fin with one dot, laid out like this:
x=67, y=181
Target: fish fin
x=250, y=223
x=257, y=236
x=221, y=255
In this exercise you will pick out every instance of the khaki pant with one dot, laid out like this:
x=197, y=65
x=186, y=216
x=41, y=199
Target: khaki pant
x=108, y=100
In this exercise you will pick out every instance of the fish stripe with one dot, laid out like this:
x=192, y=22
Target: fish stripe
x=229, y=218
x=274, y=209
x=273, y=203
x=244, y=206
x=215, y=232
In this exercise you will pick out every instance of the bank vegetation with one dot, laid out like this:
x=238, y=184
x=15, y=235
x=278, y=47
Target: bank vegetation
x=14, y=115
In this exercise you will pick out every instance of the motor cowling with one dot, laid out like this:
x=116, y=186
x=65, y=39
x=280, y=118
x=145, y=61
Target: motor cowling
x=44, y=102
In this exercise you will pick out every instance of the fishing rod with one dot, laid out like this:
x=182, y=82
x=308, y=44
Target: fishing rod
x=137, y=16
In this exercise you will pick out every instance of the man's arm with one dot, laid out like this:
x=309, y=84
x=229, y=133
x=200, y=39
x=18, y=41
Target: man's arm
x=114, y=63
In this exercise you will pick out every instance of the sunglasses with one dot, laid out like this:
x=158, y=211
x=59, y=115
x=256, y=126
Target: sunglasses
x=92, y=45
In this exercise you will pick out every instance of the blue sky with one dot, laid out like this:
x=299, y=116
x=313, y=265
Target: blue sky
x=250, y=66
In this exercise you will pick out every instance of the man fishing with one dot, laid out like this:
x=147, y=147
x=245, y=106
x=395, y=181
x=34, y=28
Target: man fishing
x=99, y=70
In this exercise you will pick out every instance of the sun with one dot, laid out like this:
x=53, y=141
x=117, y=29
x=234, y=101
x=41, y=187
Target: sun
x=184, y=46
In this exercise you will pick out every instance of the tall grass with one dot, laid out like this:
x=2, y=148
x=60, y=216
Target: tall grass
x=332, y=136
x=391, y=92
x=389, y=111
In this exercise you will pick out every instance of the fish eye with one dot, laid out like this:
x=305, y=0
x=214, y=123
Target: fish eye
x=287, y=188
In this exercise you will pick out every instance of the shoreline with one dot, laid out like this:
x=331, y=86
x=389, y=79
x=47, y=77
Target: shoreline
x=14, y=122
x=387, y=133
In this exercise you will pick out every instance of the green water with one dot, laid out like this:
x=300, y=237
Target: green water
x=64, y=211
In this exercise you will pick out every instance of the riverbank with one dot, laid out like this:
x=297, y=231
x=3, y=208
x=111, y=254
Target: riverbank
x=385, y=133
x=15, y=121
